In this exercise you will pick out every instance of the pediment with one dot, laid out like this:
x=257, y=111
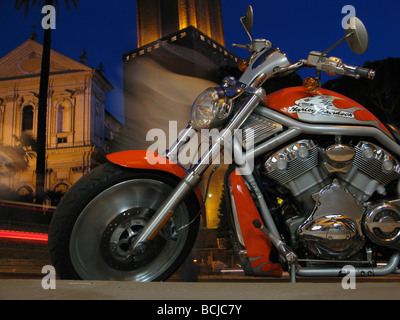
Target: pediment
x=26, y=59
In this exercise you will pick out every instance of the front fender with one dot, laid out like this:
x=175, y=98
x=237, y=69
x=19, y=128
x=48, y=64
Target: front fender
x=148, y=160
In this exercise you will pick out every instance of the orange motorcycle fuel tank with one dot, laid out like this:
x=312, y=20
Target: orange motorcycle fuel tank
x=148, y=160
x=322, y=106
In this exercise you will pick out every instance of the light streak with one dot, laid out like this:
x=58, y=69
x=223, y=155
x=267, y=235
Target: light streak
x=25, y=236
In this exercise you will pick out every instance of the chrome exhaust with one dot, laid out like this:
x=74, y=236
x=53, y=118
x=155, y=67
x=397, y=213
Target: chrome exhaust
x=359, y=271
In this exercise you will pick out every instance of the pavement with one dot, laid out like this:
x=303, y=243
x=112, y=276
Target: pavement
x=22, y=278
x=205, y=289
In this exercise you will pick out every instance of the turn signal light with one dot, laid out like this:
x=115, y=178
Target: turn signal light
x=243, y=64
x=311, y=84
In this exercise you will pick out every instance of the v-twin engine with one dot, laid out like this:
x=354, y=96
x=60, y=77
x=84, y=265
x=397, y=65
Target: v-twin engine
x=333, y=187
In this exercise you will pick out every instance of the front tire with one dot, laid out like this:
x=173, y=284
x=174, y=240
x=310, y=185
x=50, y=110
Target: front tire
x=99, y=217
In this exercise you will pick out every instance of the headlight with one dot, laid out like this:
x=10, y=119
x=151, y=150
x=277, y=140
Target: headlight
x=210, y=108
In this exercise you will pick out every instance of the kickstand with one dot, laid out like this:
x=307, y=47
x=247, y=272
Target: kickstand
x=292, y=270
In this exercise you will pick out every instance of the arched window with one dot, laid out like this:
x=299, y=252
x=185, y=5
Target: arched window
x=27, y=118
x=25, y=191
x=25, y=194
x=61, y=187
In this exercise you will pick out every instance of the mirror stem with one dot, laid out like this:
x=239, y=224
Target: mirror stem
x=245, y=29
x=337, y=43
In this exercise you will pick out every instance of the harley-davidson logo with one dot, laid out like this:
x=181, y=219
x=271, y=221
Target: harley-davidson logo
x=319, y=105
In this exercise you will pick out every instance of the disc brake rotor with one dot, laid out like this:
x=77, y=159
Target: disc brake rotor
x=120, y=233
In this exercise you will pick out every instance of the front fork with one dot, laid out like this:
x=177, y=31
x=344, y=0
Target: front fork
x=194, y=176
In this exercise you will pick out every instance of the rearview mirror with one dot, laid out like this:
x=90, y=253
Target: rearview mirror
x=356, y=35
x=248, y=19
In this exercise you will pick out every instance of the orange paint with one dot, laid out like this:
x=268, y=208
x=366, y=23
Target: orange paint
x=282, y=100
x=149, y=160
x=258, y=246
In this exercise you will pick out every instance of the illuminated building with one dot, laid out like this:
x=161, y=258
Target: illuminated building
x=79, y=129
x=159, y=18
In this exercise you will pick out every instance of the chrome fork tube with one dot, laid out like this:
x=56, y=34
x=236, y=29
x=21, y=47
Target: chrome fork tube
x=247, y=108
x=193, y=178
x=185, y=135
x=163, y=214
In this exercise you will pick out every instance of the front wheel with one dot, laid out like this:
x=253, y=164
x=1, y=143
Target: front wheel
x=91, y=232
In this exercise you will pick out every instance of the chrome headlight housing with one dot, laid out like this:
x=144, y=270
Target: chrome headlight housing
x=210, y=109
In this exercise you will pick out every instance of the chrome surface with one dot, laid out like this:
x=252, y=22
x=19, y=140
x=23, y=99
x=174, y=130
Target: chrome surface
x=361, y=171
x=114, y=219
x=292, y=161
x=265, y=62
x=297, y=168
x=194, y=177
x=390, y=267
x=338, y=158
x=382, y=224
x=333, y=229
x=328, y=129
x=376, y=162
x=373, y=168
x=214, y=105
x=184, y=136
x=210, y=108
x=258, y=128
x=172, y=201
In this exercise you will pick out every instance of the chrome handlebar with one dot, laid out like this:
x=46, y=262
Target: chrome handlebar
x=335, y=66
x=358, y=72
x=332, y=66
x=318, y=60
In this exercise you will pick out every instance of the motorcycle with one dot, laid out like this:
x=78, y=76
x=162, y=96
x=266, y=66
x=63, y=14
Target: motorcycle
x=317, y=188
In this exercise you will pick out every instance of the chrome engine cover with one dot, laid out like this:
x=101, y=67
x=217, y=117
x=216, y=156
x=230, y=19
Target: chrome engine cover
x=341, y=179
x=382, y=223
x=334, y=227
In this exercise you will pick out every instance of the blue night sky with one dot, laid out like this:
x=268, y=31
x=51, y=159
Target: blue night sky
x=107, y=30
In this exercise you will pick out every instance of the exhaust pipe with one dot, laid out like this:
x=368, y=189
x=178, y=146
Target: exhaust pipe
x=337, y=272
x=295, y=270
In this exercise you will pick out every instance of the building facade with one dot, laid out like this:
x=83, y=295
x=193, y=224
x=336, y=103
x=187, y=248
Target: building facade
x=79, y=129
